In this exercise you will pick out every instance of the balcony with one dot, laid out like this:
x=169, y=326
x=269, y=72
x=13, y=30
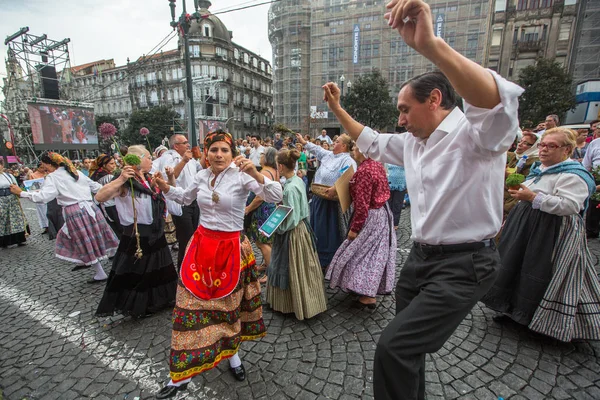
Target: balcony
x=529, y=45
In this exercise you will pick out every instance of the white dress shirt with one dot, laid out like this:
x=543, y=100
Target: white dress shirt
x=67, y=191
x=332, y=166
x=592, y=155
x=171, y=158
x=325, y=139
x=559, y=194
x=143, y=205
x=455, y=178
x=232, y=188
x=255, y=154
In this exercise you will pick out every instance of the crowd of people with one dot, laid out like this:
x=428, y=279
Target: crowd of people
x=521, y=249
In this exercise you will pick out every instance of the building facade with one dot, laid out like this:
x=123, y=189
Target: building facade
x=231, y=84
x=586, y=58
x=339, y=40
x=524, y=30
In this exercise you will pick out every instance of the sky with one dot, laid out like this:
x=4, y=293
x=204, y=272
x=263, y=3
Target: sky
x=105, y=29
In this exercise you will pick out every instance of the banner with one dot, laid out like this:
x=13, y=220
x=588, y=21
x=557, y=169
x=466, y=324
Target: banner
x=355, y=43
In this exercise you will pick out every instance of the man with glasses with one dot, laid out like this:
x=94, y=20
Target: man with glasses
x=185, y=167
x=591, y=161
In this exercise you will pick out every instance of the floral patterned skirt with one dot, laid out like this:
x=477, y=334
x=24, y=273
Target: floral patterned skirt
x=205, y=332
x=12, y=223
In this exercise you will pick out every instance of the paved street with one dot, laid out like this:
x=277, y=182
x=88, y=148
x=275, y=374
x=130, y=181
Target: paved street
x=52, y=346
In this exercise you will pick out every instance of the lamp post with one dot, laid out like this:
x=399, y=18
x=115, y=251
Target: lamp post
x=184, y=23
x=342, y=79
x=349, y=86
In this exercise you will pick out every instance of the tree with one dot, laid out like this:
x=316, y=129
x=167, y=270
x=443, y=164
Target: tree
x=105, y=144
x=158, y=120
x=548, y=90
x=370, y=103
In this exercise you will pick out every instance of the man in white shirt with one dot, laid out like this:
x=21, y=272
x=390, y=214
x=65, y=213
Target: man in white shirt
x=454, y=166
x=257, y=151
x=324, y=137
x=185, y=167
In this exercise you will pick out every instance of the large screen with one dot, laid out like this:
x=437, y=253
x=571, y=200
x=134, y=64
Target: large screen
x=206, y=126
x=62, y=127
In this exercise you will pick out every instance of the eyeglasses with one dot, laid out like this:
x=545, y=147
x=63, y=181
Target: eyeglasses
x=549, y=146
x=186, y=142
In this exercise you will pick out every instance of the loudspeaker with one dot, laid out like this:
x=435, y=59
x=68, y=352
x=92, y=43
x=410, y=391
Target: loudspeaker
x=49, y=82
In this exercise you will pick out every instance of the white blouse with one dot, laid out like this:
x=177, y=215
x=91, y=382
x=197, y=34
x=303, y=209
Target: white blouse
x=6, y=180
x=67, y=191
x=232, y=188
x=143, y=205
x=332, y=165
x=559, y=194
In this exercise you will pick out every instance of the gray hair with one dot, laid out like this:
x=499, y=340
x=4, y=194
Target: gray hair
x=270, y=157
x=173, y=139
x=555, y=118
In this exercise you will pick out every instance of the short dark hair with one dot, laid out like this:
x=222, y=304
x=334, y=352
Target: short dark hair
x=257, y=137
x=423, y=84
x=594, y=122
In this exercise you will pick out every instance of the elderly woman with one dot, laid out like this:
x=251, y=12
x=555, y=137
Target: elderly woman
x=102, y=171
x=218, y=301
x=547, y=281
x=138, y=284
x=295, y=276
x=526, y=147
x=257, y=210
x=85, y=237
x=326, y=217
x=12, y=221
x=365, y=263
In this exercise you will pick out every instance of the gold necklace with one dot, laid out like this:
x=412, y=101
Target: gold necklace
x=215, y=195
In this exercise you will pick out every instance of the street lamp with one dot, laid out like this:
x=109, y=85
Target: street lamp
x=342, y=79
x=184, y=23
x=349, y=86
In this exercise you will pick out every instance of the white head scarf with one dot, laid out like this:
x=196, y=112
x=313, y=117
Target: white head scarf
x=532, y=151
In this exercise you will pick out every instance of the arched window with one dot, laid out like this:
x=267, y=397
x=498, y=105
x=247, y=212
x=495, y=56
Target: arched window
x=207, y=30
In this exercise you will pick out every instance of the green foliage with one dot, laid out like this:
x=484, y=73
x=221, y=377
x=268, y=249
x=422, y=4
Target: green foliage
x=132, y=159
x=158, y=120
x=370, y=102
x=548, y=90
x=281, y=128
x=514, y=180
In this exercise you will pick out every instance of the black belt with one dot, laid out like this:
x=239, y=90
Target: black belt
x=5, y=192
x=454, y=248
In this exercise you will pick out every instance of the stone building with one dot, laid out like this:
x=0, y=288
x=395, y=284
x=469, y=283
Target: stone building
x=231, y=84
x=524, y=30
x=324, y=40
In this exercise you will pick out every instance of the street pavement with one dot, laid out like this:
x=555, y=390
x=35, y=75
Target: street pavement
x=53, y=347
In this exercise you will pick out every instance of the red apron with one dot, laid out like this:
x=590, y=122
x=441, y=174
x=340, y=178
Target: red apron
x=211, y=266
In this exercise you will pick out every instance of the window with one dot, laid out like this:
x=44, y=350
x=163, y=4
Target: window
x=472, y=43
x=212, y=71
x=236, y=54
x=497, y=37
x=254, y=62
x=207, y=30
x=521, y=4
x=565, y=31
x=246, y=58
x=205, y=70
x=194, y=50
x=143, y=99
x=500, y=6
x=534, y=4
x=219, y=72
x=195, y=70
x=223, y=95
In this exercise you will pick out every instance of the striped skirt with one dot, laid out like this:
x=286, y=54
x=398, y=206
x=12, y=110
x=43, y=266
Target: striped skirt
x=570, y=308
x=84, y=239
x=12, y=222
x=205, y=332
x=305, y=295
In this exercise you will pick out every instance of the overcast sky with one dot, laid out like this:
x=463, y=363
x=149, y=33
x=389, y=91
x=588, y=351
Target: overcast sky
x=104, y=29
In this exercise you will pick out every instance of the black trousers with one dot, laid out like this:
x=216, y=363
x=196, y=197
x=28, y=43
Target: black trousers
x=592, y=220
x=435, y=292
x=396, y=201
x=115, y=224
x=185, y=225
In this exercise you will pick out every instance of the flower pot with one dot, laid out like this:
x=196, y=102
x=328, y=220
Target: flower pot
x=515, y=187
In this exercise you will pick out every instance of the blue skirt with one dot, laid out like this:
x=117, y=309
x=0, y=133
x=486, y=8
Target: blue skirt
x=324, y=221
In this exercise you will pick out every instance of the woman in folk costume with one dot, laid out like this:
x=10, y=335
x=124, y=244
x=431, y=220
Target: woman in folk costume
x=102, y=171
x=12, y=222
x=365, y=263
x=85, y=238
x=295, y=276
x=138, y=284
x=218, y=303
x=548, y=281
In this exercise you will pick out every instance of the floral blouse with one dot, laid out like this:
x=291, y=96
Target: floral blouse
x=369, y=190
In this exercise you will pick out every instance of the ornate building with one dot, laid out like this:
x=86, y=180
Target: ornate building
x=231, y=83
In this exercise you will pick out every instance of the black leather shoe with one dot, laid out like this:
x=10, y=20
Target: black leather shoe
x=501, y=318
x=239, y=373
x=170, y=391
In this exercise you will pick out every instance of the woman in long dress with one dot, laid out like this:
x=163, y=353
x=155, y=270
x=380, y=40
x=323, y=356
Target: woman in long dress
x=85, y=237
x=365, y=263
x=295, y=276
x=548, y=281
x=218, y=301
x=326, y=218
x=12, y=222
x=138, y=285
